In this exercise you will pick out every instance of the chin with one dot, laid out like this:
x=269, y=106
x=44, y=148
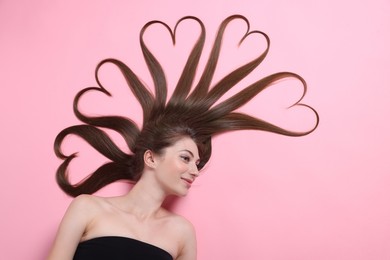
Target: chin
x=181, y=193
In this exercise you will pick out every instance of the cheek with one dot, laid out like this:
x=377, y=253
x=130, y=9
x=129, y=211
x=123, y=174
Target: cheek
x=180, y=167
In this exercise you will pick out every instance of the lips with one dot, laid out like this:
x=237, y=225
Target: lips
x=187, y=181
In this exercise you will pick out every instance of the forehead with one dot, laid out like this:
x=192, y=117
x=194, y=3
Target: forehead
x=185, y=144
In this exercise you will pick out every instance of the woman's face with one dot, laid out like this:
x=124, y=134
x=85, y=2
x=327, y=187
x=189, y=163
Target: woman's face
x=176, y=168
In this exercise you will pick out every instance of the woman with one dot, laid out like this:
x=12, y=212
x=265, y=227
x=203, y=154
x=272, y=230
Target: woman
x=137, y=215
x=165, y=156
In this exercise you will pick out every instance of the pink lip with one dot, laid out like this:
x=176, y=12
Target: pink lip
x=188, y=181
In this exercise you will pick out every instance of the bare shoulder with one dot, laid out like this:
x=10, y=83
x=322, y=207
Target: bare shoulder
x=178, y=223
x=184, y=225
x=83, y=208
x=186, y=236
x=73, y=225
x=87, y=207
x=87, y=202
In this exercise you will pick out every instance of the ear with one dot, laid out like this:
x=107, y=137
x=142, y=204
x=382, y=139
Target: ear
x=150, y=159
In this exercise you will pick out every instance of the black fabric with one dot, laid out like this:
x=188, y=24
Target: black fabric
x=119, y=248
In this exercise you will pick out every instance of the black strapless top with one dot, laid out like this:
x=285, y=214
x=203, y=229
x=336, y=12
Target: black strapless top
x=118, y=248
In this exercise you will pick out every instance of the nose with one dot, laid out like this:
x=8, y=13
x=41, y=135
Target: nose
x=194, y=171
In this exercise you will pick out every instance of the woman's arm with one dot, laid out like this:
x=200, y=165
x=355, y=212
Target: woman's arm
x=71, y=229
x=188, y=251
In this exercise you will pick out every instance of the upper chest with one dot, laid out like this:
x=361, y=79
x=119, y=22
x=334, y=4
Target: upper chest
x=160, y=232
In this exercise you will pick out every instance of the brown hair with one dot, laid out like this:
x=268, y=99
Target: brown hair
x=192, y=114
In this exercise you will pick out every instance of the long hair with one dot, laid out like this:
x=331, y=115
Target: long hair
x=194, y=114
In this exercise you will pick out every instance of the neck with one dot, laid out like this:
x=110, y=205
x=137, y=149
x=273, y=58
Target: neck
x=144, y=199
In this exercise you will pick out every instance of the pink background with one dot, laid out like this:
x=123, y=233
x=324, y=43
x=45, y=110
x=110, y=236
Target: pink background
x=263, y=196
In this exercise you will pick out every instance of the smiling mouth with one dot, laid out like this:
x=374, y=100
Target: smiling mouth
x=188, y=181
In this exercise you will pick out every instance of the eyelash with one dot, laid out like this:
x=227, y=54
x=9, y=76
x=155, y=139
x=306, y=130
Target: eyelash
x=185, y=158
